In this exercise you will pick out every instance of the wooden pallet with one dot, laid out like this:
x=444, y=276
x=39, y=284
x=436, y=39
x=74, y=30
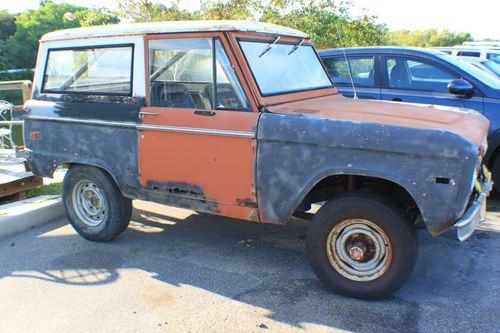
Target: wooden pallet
x=13, y=175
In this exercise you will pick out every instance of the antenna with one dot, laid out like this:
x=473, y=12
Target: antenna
x=347, y=62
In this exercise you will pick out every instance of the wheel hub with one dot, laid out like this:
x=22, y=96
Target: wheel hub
x=359, y=250
x=89, y=203
x=356, y=253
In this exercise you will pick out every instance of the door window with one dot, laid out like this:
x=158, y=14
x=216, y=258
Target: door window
x=362, y=71
x=406, y=73
x=468, y=54
x=193, y=73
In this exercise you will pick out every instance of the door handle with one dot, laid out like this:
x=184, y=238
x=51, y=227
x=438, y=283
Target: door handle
x=144, y=113
x=205, y=113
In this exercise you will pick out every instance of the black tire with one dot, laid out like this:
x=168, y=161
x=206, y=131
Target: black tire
x=495, y=174
x=349, y=211
x=86, y=186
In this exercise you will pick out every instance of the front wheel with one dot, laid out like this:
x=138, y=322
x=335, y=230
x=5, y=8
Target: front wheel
x=362, y=245
x=94, y=204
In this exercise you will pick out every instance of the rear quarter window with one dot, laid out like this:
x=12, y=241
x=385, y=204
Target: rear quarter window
x=361, y=69
x=93, y=70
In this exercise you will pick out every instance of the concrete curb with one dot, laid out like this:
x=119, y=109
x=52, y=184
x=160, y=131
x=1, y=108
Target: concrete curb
x=25, y=214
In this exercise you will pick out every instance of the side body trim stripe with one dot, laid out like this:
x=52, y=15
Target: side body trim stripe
x=178, y=129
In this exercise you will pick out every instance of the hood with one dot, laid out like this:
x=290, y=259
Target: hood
x=467, y=123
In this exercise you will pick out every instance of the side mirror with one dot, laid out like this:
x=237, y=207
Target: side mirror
x=460, y=87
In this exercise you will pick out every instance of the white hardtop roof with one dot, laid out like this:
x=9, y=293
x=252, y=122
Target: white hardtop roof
x=171, y=27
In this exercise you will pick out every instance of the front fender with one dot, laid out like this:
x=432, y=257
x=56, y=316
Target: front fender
x=295, y=152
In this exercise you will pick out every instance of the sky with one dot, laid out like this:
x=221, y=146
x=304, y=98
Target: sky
x=480, y=18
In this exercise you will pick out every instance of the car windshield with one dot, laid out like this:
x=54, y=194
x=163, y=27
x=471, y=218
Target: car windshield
x=492, y=66
x=282, y=68
x=477, y=73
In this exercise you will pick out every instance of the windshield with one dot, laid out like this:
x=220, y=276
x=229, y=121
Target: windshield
x=477, y=73
x=494, y=57
x=284, y=68
x=492, y=66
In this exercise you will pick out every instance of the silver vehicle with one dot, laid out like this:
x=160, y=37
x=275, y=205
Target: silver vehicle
x=482, y=52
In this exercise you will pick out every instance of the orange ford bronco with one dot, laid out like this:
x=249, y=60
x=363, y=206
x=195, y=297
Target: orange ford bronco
x=240, y=119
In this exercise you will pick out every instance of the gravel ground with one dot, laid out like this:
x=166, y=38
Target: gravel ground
x=176, y=271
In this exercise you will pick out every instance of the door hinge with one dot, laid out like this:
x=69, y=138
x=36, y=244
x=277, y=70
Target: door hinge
x=253, y=191
x=254, y=144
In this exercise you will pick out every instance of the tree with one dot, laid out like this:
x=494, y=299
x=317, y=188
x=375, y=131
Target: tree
x=147, y=11
x=323, y=20
x=20, y=49
x=427, y=38
x=97, y=16
x=7, y=25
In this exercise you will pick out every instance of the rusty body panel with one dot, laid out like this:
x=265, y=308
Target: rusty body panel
x=297, y=151
x=219, y=162
x=468, y=124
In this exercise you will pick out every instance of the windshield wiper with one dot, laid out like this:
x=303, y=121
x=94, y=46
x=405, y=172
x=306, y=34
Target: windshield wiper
x=296, y=46
x=270, y=46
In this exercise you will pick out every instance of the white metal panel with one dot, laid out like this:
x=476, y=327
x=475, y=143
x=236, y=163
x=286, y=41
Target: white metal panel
x=170, y=27
x=138, y=85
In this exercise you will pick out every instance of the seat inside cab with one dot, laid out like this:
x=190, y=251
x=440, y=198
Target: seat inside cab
x=181, y=74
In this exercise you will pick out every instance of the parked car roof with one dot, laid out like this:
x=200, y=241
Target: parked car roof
x=171, y=27
x=379, y=49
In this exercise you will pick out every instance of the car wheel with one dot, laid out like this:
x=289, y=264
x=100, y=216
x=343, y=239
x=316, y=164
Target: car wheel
x=495, y=170
x=362, y=245
x=94, y=204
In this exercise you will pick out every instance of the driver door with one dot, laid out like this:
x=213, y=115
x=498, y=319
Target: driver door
x=196, y=134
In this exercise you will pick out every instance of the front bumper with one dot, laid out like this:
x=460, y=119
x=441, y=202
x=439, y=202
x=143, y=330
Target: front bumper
x=476, y=213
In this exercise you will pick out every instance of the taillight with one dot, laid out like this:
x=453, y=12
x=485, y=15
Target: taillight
x=35, y=135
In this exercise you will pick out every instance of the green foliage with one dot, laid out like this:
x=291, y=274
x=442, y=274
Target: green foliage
x=20, y=49
x=96, y=16
x=54, y=188
x=427, y=38
x=323, y=20
x=7, y=25
x=20, y=75
x=148, y=10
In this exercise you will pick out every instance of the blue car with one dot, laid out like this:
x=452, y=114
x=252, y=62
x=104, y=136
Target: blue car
x=417, y=75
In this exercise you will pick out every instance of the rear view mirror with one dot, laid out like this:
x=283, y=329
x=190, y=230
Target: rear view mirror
x=460, y=87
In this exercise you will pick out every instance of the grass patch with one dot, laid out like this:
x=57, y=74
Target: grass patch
x=49, y=189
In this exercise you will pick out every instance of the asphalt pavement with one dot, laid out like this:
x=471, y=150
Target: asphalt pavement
x=177, y=271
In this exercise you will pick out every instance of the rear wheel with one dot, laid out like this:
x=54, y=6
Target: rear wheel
x=362, y=245
x=94, y=205
x=495, y=170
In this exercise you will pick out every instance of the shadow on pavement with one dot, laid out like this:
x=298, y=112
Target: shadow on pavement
x=454, y=284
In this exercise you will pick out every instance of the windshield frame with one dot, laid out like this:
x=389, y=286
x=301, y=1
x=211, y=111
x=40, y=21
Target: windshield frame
x=269, y=39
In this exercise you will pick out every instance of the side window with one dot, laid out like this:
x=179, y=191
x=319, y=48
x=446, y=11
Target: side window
x=406, y=73
x=362, y=70
x=181, y=75
x=98, y=70
x=468, y=54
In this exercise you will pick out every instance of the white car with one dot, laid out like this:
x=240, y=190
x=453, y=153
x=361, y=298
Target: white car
x=491, y=53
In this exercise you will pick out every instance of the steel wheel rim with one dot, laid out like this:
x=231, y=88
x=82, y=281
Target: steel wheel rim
x=89, y=203
x=359, y=250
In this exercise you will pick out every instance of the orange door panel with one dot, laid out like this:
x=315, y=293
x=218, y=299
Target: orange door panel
x=207, y=155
